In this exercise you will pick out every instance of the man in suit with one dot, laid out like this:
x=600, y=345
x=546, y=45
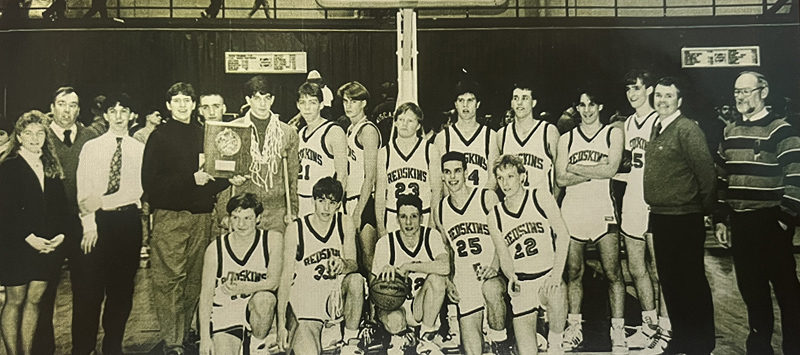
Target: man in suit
x=67, y=136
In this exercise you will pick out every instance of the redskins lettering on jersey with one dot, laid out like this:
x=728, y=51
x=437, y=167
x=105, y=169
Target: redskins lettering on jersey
x=533, y=151
x=316, y=162
x=407, y=174
x=475, y=149
x=528, y=236
x=467, y=231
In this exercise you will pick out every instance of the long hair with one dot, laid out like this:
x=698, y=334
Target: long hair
x=52, y=166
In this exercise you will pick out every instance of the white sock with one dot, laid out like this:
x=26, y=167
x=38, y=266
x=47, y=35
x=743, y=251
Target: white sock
x=617, y=322
x=350, y=334
x=664, y=323
x=555, y=339
x=649, y=317
x=496, y=336
x=574, y=319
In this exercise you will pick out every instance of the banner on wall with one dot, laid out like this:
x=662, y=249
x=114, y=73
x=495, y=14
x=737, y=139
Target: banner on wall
x=265, y=62
x=720, y=57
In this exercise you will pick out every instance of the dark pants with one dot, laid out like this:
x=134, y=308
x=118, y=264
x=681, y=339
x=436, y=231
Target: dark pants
x=98, y=6
x=762, y=253
x=213, y=8
x=678, y=242
x=108, y=271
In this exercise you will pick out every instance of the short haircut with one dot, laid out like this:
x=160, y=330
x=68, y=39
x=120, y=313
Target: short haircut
x=510, y=161
x=329, y=188
x=64, y=90
x=258, y=85
x=122, y=98
x=207, y=94
x=244, y=201
x=454, y=156
x=592, y=94
x=639, y=74
x=354, y=90
x=467, y=87
x=524, y=85
x=409, y=106
x=310, y=89
x=409, y=200
x=670, y=81
x=762, y=80
x=181, y=88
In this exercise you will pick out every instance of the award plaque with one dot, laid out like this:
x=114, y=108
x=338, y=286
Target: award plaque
x=227, y=149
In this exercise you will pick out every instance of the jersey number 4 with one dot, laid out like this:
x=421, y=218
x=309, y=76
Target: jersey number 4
x=529, y=249
x=474, y=247
x=473, y=176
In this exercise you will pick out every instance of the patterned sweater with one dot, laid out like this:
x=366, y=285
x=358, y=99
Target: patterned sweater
x=762, y=164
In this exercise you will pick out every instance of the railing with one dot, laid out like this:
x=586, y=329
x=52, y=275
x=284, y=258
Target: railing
x=308, y=9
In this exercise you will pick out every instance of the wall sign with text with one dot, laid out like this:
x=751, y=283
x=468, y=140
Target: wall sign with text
x=720, y=57
x=265, y=62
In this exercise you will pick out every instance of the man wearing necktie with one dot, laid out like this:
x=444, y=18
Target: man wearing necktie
x=68, y=137
x=109, y=195
x=679, y=180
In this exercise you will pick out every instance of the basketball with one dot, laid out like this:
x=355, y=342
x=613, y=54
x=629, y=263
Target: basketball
x=389, y=295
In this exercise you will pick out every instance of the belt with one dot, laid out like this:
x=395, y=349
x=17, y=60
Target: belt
x=126, y=208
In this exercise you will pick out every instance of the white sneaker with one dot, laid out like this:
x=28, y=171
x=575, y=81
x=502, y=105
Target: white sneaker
x=573, y=337
x=399, y=343
x=541, y=342
x=351, y=348
x=618, y=343
x=640, y=339
x=658, y=343
x=427, y=345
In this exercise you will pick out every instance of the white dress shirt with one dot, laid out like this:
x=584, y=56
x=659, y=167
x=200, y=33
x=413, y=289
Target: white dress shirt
x=666, y=121
x=35, y=161
x=59, y=131
x=757, y=116
x=94, y=169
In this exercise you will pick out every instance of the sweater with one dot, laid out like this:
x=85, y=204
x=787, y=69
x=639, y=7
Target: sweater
x=171, y=157
x=679, y=176
x=762, y=162
x=68, y=157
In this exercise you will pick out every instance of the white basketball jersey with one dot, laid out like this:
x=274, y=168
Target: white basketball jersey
x=467, y=231
x=429, y=246
x=355, y=158
x=251, y=267
x=637, y=134
x=475, y=149
x=584, y=150
x=316, y=162
x=528, y=236
x=534, y=152
x=407, y=174
x=314, y=251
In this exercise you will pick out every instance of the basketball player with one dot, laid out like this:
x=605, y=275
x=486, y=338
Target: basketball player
x=322, y=148
x=530, y=239
x=466, y=135
x=406, y=167
x=462, y=216
x=418, y=253
x=655, y=329
x=533, y=140
x=588, y=156
x=363, y=142
x=319, y=275
x=241, y=271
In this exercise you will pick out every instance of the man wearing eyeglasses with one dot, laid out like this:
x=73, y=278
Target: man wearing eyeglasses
x=762, y=161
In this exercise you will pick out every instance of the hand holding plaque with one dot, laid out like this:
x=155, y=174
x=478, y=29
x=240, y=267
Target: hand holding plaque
x=227, y=149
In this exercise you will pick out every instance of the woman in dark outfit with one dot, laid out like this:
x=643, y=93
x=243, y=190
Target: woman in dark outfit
x=33, y=214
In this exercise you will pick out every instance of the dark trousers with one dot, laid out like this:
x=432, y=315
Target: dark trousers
x=678, y=242
x=108, y=271
x=44, y=342
x=213, y=8
x=98, y=6
x=762, y=253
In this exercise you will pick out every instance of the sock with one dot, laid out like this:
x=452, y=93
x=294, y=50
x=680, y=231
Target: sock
x=649, y=317
x=575, y=319
x=555, y=339
x=350, y=334
x=664, y=323
x=496, y=336
x=617, y=322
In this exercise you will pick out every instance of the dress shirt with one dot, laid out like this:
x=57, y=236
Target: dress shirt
x=664, y=122
x=757, y=116
x=35, y=161
x=59, y=131
x=94, y=169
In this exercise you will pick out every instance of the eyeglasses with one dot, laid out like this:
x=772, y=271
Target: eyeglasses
x=746, y=91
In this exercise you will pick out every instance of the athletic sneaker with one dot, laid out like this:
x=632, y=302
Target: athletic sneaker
x=618, y=343
x=372, y=336
x=573, y=337
x=640, y=339
x=541, y=342
x=658, y=343
x=351, y=348
x=427, y=345
x=505, y=347
x=400, y=342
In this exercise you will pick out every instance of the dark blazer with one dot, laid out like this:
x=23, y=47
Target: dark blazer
x=26, y=209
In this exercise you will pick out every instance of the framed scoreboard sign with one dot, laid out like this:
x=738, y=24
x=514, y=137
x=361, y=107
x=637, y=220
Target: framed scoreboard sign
x=720, y=57
x=265, y=63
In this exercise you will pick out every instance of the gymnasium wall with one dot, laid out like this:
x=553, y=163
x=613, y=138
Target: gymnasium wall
x=557, y=59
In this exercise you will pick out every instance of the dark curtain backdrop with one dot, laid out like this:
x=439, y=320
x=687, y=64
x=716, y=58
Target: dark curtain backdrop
x=557, y=61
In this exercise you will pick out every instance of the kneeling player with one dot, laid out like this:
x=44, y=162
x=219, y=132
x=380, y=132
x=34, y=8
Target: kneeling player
x=531, y=241
x=417, y=253
x=462, y=216
x=241, y=271
x=320, y=275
